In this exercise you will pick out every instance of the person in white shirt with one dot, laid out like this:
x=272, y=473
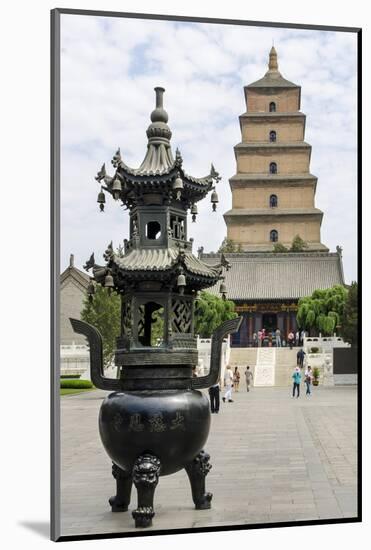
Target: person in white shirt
x=249, y=377
x=228, y=381
x=308, y=377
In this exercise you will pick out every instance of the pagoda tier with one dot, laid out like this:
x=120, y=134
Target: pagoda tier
x=160, y=266
x=160, y=179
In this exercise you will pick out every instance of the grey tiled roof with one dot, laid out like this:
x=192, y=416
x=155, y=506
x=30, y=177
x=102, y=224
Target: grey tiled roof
x=259, y=276
x=272, y=79
x=163, y=259
x=79, y=276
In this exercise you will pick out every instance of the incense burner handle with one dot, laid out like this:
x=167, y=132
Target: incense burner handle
x=228, y=327
x=96, y=356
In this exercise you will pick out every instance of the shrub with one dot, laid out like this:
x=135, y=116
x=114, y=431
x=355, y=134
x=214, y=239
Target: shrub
x=316, y=373
x=76, y=384
x=74, y=376
x=279, y=247
x=314, y=350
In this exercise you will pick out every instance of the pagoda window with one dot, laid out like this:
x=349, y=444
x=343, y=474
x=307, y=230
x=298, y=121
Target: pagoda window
x=272, y=136
x=273, y=236
x=153, y=230
x=273, y=201
x=273, y=168
x=272, y=107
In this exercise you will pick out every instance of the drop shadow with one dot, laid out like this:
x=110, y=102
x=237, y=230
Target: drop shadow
x=42, y=528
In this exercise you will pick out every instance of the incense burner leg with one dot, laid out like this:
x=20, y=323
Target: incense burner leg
x=146, y=472
x=120, y=502
x=197, y=470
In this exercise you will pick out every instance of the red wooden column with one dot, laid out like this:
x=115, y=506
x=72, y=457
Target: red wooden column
x=287, y=324
x=250, y=328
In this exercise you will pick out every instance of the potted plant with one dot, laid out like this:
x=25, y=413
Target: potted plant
x=316, y=374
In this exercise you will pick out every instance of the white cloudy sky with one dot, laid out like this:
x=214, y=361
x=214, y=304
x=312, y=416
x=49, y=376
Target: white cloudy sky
x=108, y=71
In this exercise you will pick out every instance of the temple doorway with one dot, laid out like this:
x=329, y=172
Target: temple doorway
x=269, y=321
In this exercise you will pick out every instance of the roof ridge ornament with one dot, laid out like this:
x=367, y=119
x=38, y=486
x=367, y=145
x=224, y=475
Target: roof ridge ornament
x=116, y=159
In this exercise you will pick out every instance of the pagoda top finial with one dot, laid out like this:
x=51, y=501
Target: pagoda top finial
x=273, y=63
x=159, y=114
x=158, y=131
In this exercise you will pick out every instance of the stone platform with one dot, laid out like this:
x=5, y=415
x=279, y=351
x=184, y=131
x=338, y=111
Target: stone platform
x=274, y=459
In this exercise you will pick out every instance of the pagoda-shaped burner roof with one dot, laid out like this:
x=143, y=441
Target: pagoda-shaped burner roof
x=159, y=263
x=164, y=259
x=159, y=168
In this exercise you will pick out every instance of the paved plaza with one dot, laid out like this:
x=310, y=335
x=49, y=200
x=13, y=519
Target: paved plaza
x=274, y=459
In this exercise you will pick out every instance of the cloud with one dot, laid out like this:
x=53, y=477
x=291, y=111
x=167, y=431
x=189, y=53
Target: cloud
x=109, y=68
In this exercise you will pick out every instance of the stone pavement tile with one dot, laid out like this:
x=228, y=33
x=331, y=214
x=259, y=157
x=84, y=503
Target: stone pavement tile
x=348, y=504
x=257, y=518
x=281, y=517
x=328, y=506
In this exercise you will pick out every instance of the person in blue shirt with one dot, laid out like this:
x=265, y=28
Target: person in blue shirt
x=297, y=379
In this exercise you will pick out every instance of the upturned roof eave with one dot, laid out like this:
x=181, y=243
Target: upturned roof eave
x=136, y=175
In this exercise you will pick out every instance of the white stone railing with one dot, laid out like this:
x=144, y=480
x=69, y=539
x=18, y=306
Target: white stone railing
x=323, y=359
x=204, y=355
x=75, y=360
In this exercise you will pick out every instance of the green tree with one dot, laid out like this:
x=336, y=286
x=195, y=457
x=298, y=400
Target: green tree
x=279, y=247
x=157, y=328
x=322, y=310
x=228, y=245
x=103, y=312
x=298, y=245
x=349, y=320
x=210, y=312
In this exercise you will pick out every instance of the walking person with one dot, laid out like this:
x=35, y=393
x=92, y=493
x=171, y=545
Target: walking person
x=263, y=335
x=278, y=338
x=308, y=380
x=248, y=377
x=296, y=379
x=301, y=358
x=236, y=379
x=302, y=336
x=254, y=340
x=297, y=337
x=260, y=337
x=228, y=382
x=290, y=338
x=214, y=393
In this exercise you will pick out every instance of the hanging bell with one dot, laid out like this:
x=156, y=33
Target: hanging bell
x=223, y=290
x=116, y=189
x=181, y=282
x=178, y=186
x=194, y=212
x=101, y=199
x=108, y=281
x=91, y=289
x=178, y=182
x=214, y=199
